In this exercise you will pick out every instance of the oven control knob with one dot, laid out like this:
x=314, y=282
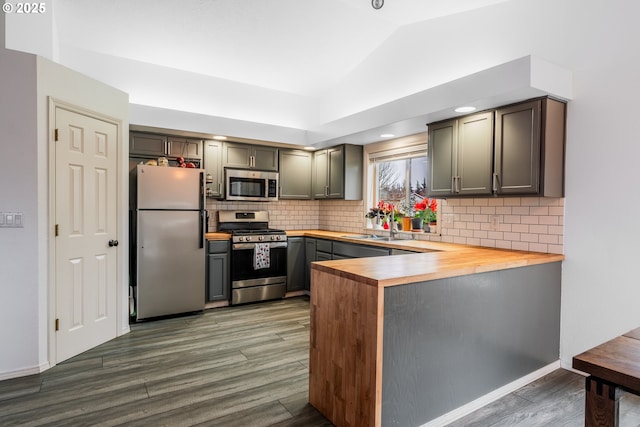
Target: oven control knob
x=277, y=237
x=248, y=238
x=273, y=237
x=260, y=238
x=240, y=239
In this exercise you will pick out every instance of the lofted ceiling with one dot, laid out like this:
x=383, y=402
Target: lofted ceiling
x=301, y=47
x=299, y=72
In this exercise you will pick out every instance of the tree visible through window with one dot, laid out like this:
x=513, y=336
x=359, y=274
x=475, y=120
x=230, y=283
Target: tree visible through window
x=402, y=182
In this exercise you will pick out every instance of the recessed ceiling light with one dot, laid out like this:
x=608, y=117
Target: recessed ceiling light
x=466, y=109
x=387, y=135
x=220, y=137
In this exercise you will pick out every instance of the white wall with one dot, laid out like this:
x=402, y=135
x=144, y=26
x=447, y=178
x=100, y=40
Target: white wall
x=19, y=257
x=25, y=315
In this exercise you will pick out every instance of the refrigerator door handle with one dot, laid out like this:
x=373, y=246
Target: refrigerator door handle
x=202, y=185
x=201, y=236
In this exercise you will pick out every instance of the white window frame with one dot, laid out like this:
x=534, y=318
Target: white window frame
x=397, y=149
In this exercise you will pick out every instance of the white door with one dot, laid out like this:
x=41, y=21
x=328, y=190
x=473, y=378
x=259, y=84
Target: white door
x=86, y=218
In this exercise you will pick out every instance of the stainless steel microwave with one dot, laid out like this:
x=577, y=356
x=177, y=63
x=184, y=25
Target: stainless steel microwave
x=250, y=185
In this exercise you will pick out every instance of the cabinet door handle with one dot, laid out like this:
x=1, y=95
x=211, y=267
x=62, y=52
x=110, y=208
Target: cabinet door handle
x=453, y=184
x=495, y=182
x=326, y=191
x=220, y=188
x=457, y=186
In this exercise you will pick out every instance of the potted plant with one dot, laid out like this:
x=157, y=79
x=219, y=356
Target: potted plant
x=425, y=213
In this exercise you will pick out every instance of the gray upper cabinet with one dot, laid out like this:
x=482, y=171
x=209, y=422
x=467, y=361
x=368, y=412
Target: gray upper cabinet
x=529, y=148
x=337, y=173
x=295, y=174
x=514, y=150
x=460, y=156
x=475, y=153
x=245, y=156
x=148, y=145
x=151, y=145
x=182, y=147
x=213, y=167
x=443, y=138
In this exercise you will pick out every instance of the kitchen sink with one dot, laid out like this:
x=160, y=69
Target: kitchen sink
x=374, y=237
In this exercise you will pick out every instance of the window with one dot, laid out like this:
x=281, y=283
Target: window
x=399, y=176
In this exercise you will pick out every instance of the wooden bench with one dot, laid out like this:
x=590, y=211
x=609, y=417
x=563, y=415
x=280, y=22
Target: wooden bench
x=613, y=367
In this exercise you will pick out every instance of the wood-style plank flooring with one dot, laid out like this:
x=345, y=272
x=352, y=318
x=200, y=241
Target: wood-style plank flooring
x=235, y=366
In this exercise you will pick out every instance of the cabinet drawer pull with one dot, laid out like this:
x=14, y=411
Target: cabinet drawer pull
x=495, y=182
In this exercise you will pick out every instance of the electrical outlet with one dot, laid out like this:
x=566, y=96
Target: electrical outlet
x=494, y=220
x=447, y=220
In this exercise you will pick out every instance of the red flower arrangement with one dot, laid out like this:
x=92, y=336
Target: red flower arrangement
x=426, y=209
x=387, y=210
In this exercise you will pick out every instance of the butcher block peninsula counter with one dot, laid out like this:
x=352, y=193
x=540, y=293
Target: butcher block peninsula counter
x=405, y=339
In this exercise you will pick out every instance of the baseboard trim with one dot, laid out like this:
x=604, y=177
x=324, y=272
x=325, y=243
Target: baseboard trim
x=474, y=405
x=24, y=372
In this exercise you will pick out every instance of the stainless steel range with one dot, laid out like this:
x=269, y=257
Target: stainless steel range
x=258, y=256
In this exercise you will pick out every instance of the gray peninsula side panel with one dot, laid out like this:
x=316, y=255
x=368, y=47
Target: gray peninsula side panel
x=450, y=341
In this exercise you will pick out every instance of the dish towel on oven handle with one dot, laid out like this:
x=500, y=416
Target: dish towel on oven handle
x=261, y=256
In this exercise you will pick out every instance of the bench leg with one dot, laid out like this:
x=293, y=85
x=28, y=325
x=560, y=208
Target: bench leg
x=602, y=403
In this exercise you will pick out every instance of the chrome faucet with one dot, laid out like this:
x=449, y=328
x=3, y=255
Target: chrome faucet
x=392, y=229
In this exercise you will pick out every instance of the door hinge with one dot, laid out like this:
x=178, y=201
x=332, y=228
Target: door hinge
x=55, y=136
x=57, y=230
x=57, y=325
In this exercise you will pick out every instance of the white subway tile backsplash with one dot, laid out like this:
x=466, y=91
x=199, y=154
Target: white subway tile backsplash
x=524, y=223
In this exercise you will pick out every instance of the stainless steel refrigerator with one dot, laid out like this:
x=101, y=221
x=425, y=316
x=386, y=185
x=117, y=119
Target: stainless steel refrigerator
x=170, y=253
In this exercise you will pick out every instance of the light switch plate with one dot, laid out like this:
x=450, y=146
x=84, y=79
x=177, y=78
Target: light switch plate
x=11, y=220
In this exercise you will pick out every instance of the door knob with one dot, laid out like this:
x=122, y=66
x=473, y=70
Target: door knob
x=113, y=243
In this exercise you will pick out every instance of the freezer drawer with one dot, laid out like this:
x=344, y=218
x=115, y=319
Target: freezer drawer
x=171, y=263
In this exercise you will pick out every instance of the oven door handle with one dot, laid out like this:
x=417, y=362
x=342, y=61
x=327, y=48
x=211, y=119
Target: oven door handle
x=246, y=246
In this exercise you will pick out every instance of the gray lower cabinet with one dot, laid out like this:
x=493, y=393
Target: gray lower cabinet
x=309, y=257
x=295, y=264
x=402, y=252
x=295, y=174
x=342, y=250
x=337, y=173
x=218, y=270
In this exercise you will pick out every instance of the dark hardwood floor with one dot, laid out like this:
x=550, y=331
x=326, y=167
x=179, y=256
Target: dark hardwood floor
x=237, y=366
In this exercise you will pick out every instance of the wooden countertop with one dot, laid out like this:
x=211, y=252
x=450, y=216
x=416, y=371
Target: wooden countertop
x=436, y=260
x=218, y=236
x=439, y=260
